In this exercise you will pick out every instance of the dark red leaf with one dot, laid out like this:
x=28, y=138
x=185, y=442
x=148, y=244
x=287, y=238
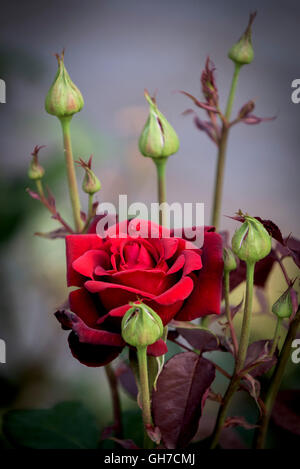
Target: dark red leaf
x=269, y=225
x=286, y=411
x=200, y=339
x=173, y=335
x=262, y=271
x=258, y=361
x=182, y=389
x=272, y=229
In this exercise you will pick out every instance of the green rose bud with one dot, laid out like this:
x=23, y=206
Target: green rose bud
x=242, y=52
x=91, y=183
x=283, y=307
x=141, y=326
x=64, y=98
x=251, y=242
x=229, y=260
x=36, y=171
x=158, y=138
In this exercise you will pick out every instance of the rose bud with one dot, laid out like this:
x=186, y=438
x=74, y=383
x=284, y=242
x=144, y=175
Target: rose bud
x=283, y=307
x=158, y=138
x=64, y=98
x=91, y=183
x=246, y=109
x=141, y=326
x=36, y=171
x=242, y=52
x=251, y=242
x=229, y=260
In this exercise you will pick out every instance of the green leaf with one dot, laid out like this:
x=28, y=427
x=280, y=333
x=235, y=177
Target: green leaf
x=68, y=425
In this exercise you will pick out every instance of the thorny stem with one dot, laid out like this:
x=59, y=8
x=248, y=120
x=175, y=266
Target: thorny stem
x=222, y=152
x=114, y=390
x=145, y=394
x=228, y=312
x=73, y=189
x=261, y=433
x=51, y=208
x=160, y=164
x=242, y=351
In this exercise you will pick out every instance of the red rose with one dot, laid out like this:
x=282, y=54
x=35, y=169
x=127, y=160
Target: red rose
x=175, y=281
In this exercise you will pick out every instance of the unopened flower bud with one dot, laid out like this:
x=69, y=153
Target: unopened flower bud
x=91, y=183
x=229, y=260
x=64, y=98
x=251, y=242
x=246, y=109
x=36, y=171
x=242, y=52
x=141, y=326
x=283, y=307
x=158, y=138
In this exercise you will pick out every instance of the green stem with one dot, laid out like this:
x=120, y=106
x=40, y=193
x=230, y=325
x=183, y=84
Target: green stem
x=276, y=335
x=161, y=164
x=230, y=100
x=73, y=189
x=116, y=402
x=145, y=394
x=228, y=312
x=39, y=186
x=90, y=207
x=245, y=333
x=219, y=180
x=242, y=351
x=260, y=437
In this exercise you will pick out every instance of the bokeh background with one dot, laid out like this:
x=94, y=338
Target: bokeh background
x=115, y=49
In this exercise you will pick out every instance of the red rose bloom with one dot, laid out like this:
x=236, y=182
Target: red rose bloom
x=163, y=272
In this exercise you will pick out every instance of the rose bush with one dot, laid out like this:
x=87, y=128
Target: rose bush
x=164, y=272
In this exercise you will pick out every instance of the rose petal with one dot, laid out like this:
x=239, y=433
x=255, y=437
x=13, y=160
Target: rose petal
x=166, y=312
x=180, y=291
x=92, y=355
x=76, y=246
x=206, y=296
x=114, y=295
x=87, y=263
x=82, y=304
x=178, y=265
x=192, y=261
x=88, y=334
x=158, y=348
x=152, y=281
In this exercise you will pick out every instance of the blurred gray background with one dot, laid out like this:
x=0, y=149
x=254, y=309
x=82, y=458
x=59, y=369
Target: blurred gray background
x=115, y=49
